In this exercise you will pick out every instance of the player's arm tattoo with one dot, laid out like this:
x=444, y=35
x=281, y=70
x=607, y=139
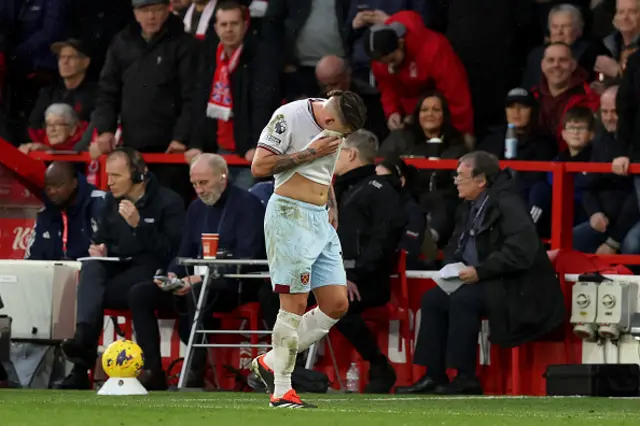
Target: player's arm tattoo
x=289, y=161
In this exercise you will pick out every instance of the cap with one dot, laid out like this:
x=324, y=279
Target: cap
x=72, y=42
x=139, y=3
x=382, y=40
x=520, y=96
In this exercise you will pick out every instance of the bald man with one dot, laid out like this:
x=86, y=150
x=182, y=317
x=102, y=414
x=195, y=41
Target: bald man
x=222, y=208
x=608, y=199
x=333, y=73
x=71, y=210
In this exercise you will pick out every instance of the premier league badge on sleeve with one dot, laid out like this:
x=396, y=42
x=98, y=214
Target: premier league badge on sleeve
x=280, y=126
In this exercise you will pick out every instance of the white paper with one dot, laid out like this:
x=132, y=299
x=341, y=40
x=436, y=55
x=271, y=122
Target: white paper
x=452, y=270
x=104, y=259
x=449, y=285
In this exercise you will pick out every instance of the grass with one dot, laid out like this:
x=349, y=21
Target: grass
x=30, y=407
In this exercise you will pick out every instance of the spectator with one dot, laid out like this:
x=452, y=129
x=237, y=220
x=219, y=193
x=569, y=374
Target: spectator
x=628, y=132
x=608, y=199
x=298, y=34
x=333, y=73
x=578, y=132
x=142, y=224
x=491, y=40
x=233, y=102
x=364, y=14
x=147, y=82
x=73, y=88
x=95, y=23
x=624, y=39
x=180, y=7
x=237, y=217
x=562, y=86
x=430, y=134
x=533, y=144
x=71, y=210
x=508, y=277
x=407, y=59
x=565, y=26
x=63, y=130
x=197, y=17
x=403, y=178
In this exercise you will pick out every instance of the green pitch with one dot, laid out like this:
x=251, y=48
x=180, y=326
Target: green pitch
x=25, y=407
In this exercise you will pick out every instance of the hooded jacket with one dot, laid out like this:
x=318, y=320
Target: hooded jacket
x=429, y=62
x=522, y=293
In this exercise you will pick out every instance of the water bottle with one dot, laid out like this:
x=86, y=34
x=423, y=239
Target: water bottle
x=511, y=143
x=353, y=378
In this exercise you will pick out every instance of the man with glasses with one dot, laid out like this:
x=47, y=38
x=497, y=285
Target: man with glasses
x=507, y=277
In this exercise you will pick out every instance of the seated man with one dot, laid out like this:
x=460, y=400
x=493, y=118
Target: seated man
x=69, y=217
x=141, y=224
x=221, y=208
x=508, y=277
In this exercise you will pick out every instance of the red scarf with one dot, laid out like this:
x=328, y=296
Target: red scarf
x=220, y=104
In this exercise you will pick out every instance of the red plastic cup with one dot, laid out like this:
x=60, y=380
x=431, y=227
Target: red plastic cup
x=210, y=245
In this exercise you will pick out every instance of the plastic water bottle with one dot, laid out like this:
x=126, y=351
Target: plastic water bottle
x=511, y=143
x=353, y=378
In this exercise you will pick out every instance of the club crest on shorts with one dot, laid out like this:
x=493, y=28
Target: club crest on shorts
x=304, y=278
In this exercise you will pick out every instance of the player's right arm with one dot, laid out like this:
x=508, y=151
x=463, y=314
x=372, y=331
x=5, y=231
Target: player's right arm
x=275, y=141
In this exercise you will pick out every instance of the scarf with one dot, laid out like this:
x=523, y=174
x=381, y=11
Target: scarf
x=220, y=103
x=203, y=24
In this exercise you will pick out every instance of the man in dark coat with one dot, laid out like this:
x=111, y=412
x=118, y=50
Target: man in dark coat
x=506, y=277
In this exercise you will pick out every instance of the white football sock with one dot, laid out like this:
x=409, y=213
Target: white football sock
x=314, y=326
x=285, y=350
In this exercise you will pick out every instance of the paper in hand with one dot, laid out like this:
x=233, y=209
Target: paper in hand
x=452, y=271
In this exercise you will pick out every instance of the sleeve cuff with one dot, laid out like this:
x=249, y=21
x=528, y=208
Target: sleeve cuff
x=612, y=243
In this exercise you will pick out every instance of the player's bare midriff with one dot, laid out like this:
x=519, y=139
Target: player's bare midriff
x=302, y=189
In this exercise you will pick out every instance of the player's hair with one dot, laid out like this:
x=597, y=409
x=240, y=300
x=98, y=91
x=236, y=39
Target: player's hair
x=350, y=108
x=365, y=142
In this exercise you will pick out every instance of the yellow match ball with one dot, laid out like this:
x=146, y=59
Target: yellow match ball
x=123, y=359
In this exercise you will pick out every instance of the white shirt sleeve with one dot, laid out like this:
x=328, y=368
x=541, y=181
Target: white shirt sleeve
x=276, y=136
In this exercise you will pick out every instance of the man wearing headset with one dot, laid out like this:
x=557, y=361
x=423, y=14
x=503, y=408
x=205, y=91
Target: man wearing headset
x=237, y=217
x=139, y=231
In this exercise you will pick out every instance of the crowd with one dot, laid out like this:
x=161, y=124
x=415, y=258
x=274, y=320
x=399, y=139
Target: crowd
x=527, y=80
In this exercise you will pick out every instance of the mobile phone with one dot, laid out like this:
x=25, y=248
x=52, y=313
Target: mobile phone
x=364, y=7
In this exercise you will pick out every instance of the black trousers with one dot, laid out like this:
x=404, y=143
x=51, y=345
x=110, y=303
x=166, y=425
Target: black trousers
x=104, y=285
x=352, y=326
x=146, y=297
x=449, y=329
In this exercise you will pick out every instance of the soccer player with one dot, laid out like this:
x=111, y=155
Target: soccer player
x=300, y=147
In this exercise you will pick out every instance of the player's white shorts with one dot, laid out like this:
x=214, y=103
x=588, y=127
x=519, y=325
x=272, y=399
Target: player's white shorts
x=303, y=249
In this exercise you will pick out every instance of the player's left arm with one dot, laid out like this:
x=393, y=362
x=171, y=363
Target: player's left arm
x=332, y=206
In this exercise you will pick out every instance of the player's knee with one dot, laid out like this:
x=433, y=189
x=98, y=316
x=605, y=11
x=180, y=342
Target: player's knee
x=338, y=307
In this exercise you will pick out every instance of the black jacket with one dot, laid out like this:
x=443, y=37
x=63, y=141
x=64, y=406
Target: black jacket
x=254, y=98
x=376, y=121
x=81, y=99
x=627, y=106
x=283, y=21
x=608, y=193
x=522, y=293
x=156, y=238
x=370, y=224
x=150, y=86
x=438, y=193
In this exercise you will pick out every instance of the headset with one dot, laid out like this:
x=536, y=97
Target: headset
x=136, y=164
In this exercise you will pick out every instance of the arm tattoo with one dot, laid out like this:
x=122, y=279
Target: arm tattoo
x=331, y=201
x=288, y=162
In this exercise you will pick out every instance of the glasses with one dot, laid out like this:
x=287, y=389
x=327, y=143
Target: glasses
x=457, y=179
x=577, y=129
